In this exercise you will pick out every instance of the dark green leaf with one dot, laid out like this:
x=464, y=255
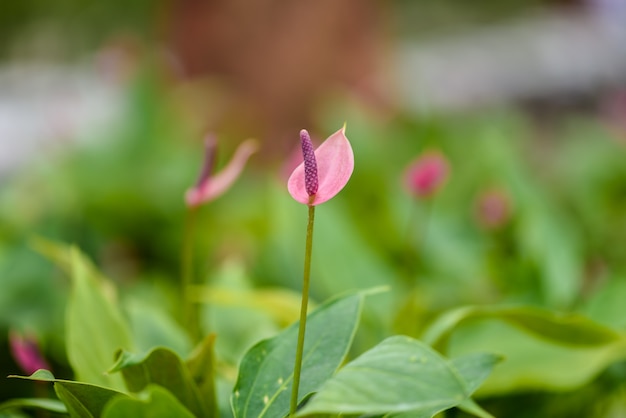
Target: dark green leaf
x=83, y=400
x=153, y=402
x=400, y=375
x=266, y=371
x=162, y=367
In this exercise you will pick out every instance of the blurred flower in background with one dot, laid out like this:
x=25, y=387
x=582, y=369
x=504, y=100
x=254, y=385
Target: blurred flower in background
x=493, y=208
x=427, y=174
x=26, y=353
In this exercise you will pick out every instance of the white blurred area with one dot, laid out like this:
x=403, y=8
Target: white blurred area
x=42, y=107
x=573, y=52
x=581, y=53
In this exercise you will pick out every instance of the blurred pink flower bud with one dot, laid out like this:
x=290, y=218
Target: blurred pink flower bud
x=324, y=172
x=210, y=186
x=427, y=173
x=25, y=351
x=493, y=208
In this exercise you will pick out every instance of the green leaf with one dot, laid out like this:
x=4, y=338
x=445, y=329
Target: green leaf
x=162, y=367
x=83, y=400
x=201, y=365
x=400, y=375
x=471, y=407
x=475, y=368
x=263, y=388
x=96, y=329
x=153, y=402
x=566, y=329
x=51, y=405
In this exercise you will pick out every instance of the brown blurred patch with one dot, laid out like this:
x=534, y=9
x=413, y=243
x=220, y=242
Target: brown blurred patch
x=279, y=58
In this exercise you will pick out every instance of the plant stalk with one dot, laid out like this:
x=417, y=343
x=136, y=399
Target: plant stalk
x=190, y=311
x=303, y=312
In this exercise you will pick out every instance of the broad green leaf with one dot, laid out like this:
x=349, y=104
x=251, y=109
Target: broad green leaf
x=153, y=402
x=400, y=375
x=82, y=400
x=566, y=329
x=532, y=363
x=263, y=388
x=162, y=367
x=51, y=405
x=201, y=366
x=96, y=329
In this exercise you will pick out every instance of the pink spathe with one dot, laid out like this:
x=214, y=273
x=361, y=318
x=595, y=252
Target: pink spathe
x=335, y=164
x=427, y=173
x=212, y=186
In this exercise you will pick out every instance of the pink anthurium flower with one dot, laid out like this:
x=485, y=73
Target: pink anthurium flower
x=427, y=173
x=25, y=351
x=210, y=186
x=324, y=172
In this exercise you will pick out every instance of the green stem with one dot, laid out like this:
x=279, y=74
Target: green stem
x=190, y=311
x=303, y=311
x=416, y=248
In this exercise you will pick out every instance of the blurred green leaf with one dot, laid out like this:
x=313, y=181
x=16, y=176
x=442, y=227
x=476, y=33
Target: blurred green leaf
x=51, y=405
x=606, y=305
x=153, y=402
x=282, y=305
x=152, y=327
x=164, y=368
x=96, y=329
x=266, y=371
x=399, y=375
x=533, y=363
x=568, y=329
x=82, y=400
x=201, y=366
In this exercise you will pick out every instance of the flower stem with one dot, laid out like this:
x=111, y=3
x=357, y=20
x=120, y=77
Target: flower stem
x=303, y=312
x=190, y=311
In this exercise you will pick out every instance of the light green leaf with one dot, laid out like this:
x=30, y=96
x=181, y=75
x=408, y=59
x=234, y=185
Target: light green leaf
x=263, y=388
x=162, y=367
x=153, y=402
x=83, y=400
x=400, y=375
x=96, y=329
x=566, y=329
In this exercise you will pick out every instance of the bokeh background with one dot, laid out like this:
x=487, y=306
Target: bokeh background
x=104, y=105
